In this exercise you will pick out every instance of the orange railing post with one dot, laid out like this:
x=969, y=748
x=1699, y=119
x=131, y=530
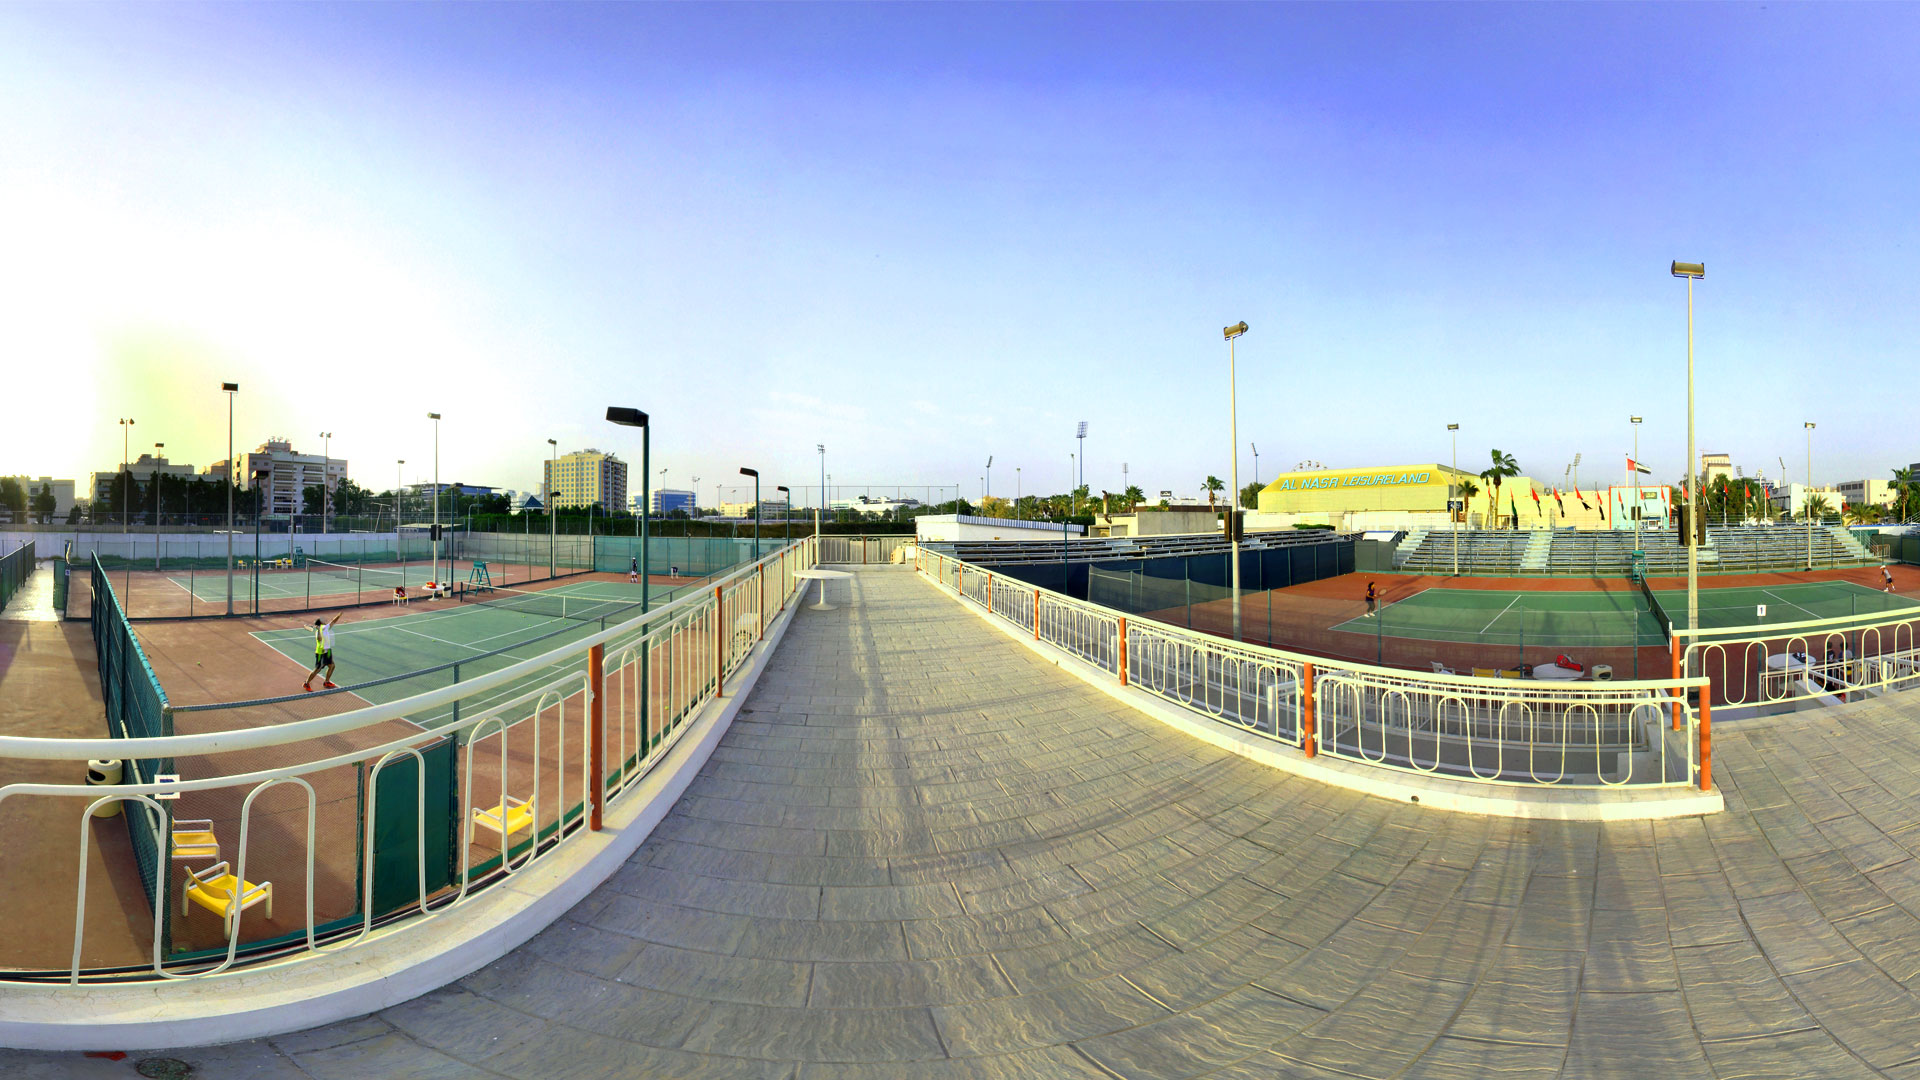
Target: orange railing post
x=1706, y=738
x=597, y=736
x=1036, y=614
x=989, y=592
x=1679, y=693
x=719, y=641
x=1123, y=652
x=1307, y=743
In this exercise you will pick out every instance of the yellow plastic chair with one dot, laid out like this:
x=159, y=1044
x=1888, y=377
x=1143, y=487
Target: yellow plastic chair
x=1484, y=673
x=193, y=840
x=506, y=819
x=214, y=889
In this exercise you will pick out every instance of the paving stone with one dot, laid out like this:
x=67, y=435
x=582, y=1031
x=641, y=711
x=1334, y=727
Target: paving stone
x=1734, y=993
x=1640, y=1034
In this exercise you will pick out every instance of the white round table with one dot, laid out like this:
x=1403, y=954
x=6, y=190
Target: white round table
x=824, y=576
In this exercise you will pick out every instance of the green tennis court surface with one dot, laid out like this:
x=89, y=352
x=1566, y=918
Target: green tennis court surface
x=467, y=633
x=369, y=582
x=1608, y=618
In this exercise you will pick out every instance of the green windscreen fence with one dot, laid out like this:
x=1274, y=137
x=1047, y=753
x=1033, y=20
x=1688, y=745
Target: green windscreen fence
x=136, y=708
x=413, y=829
x=1907, y=549
x=688, y=556
x=15, y=567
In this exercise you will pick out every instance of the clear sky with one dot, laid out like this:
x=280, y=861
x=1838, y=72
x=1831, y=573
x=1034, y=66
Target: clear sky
x=924, y=234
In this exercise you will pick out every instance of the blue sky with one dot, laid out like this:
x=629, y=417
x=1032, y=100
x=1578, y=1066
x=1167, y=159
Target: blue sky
x=926, y=234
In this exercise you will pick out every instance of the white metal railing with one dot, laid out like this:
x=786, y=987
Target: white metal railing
x=1646, y=733
x=841, y=548
x=545, y=721
x=1813, y=660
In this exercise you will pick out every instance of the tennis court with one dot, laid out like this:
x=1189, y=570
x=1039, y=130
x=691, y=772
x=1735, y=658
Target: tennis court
x=1612, y=618
x=498, y=629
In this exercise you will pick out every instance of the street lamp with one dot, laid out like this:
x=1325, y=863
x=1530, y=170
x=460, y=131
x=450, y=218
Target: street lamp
x=1233, y=471
x=553, y=527
x=326, y=469
x=787, y=512
x=1073, y=490
x=1256, y=463
x=435, y=417
x=260, y=477
x=1692, y=272
x=126, y=429
x=1453, y=485
x=1081, y=480
x=1807, y=504
x=230, y=389
x=755, y=473
x=986, y=482
x=626, y=417
x=1017, y=493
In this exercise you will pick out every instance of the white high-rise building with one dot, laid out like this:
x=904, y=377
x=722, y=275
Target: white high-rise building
x=288, y=475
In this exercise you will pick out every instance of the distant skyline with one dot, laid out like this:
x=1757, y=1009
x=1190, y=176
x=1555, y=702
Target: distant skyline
x=927, y=234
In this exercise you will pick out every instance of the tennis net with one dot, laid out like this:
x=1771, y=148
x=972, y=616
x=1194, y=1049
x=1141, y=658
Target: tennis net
x=551, y=604
x=366, y=578
x=1653, y=605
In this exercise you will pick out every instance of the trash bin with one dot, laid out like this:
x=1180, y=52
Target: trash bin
x=105, y=773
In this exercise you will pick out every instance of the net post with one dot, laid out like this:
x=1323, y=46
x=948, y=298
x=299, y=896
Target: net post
x=1123, y=647
x=1308, y=743
x=597, y=733
x=1706, y=738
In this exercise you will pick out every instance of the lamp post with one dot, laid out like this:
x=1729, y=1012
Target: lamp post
x=326, y=471
x=230, y=389
x=822, y=447
x=1233, y=469
x=1452, y=485
x=126, y=429
x=986, y=482
x=1807, y=506
x=626, y=417
x=1255, y=447
x=260, y=476
x=157, y=507
x=1073, y=490
x=435, y=417
x=787, y=512
x=1633, y=478
x=755, y=473
x=553, y=526
x=1017, y=494
x=1080, y=481
x=1692, y=272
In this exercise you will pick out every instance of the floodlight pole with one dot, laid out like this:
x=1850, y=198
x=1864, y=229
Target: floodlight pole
x=786, y=514
x=126, y=478
x=158, y=508
x=822, y=448
x=755, y=473
x=1807, y=505
x=326, y=467
x=230, y=389
x=1452, y=482
x=1233, y=468
x=435, y=576
x=1691, y=271
x=553, y=526
x=1633, y=478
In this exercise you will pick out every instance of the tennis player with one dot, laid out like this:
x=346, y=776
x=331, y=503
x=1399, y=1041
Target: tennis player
x=1372, y=597
x=1886, y=574
x=633, y=571
x=322, y=653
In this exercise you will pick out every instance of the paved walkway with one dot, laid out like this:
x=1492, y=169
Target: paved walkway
x=923, y=852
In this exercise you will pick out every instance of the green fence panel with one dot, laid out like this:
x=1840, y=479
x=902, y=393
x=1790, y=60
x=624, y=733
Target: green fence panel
x=400, y=826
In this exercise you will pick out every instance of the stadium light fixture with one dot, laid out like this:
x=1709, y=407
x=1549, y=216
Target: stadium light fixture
x=435, y=417
x=1692, y=272
x=229, y=389
x=986, y=482
x=1233, y=467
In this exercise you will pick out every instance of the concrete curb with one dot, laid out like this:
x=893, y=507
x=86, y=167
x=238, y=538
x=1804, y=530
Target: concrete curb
x=395, y=964
x=1441, y=793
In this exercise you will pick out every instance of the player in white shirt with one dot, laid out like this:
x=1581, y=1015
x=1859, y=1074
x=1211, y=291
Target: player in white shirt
x=322, y=653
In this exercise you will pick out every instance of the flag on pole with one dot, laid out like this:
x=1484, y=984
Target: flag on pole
x=1637, y=467
x=1557, y=502
x=1536, y=500
x=1515, y=507
x=1582, y=498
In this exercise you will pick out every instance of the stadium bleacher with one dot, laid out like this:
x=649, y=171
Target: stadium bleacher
x=1099, y=549
x=1577, y=552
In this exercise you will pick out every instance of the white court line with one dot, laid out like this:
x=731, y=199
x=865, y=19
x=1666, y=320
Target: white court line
x=1811, y=614
x=1503, y=612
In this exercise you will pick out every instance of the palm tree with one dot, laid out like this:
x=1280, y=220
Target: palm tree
x=1211, y=485
x=1503, y=466
x=1816, y=508
x=1906, y=494
x=1134, y=496
x=1468, y=489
